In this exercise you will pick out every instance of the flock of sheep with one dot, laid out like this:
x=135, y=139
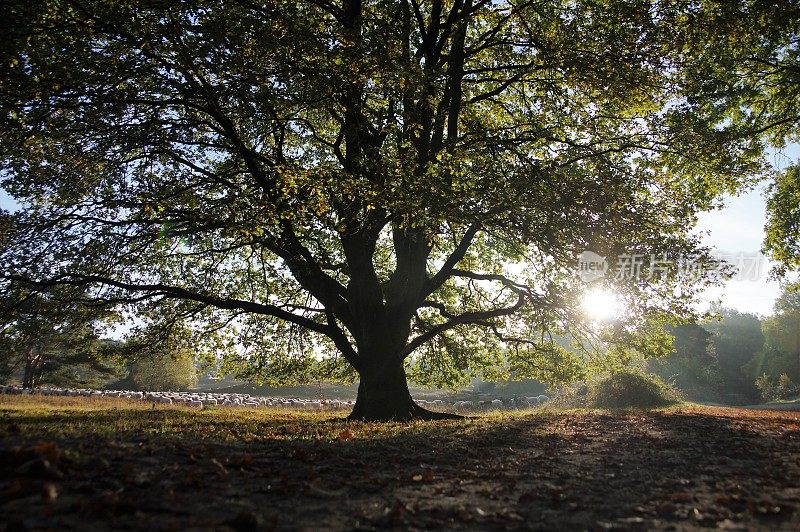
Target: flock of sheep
x=204, y=399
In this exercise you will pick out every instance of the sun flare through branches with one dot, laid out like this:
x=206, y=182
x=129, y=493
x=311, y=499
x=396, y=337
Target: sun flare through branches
x=601, y=304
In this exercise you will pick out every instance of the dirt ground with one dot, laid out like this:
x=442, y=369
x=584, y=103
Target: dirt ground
x=73, y=465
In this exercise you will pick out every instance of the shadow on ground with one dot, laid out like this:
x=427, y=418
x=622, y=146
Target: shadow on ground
x=175, y=469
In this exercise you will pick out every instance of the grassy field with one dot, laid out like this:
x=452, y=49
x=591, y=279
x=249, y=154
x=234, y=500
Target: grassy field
x=80, y=463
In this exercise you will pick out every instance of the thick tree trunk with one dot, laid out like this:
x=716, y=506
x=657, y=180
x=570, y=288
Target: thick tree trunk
x=380, y=316
x=33, y=370
x=383, y=396
x=27, y=377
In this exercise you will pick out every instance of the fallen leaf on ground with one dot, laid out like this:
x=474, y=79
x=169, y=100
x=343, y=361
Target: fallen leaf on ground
x=345, y=435
x=48, y=450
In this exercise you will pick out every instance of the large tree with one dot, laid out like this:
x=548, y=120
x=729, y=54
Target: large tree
x=737, y=340
x=693, y=367
x=392, y=185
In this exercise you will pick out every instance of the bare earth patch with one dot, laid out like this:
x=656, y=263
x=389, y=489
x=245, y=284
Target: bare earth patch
x=76, y=463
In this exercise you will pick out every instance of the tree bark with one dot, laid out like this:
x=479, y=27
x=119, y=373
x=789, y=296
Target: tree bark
x=30, y=368
x=383, y=396
x=27, y=378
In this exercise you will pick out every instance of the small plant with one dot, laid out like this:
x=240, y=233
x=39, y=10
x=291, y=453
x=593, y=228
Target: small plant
x=767, y=389
x=784, y=384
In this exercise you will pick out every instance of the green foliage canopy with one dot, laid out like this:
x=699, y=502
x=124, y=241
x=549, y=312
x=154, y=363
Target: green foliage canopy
x=744, y=66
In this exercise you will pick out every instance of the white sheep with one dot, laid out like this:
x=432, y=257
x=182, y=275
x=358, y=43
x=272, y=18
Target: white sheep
x=200, y=399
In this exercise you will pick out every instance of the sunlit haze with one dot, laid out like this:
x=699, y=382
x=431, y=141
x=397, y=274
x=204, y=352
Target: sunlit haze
x=601, y=304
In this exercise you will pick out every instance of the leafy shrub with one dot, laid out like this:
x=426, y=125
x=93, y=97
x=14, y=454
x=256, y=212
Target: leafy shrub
x=570, y=396
x=630, y=389
x=163, y=372
x=770, y=391
x=766, y=388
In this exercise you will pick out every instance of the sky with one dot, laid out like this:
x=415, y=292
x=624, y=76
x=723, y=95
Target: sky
x=737, y=230
x=5, y=201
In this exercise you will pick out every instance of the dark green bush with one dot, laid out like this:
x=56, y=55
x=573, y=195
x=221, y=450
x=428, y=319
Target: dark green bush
x=631, y=389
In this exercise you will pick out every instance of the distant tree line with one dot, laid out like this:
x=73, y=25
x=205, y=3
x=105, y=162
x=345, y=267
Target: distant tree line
x=738, y=358
x=53, y=339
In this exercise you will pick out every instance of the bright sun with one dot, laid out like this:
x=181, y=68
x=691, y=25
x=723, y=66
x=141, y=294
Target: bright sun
x=601, y=304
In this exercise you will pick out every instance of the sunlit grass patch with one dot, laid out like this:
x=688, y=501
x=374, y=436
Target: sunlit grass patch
x=111, y=418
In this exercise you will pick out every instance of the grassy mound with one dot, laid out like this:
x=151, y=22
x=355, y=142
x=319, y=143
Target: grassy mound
x=631, y=390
